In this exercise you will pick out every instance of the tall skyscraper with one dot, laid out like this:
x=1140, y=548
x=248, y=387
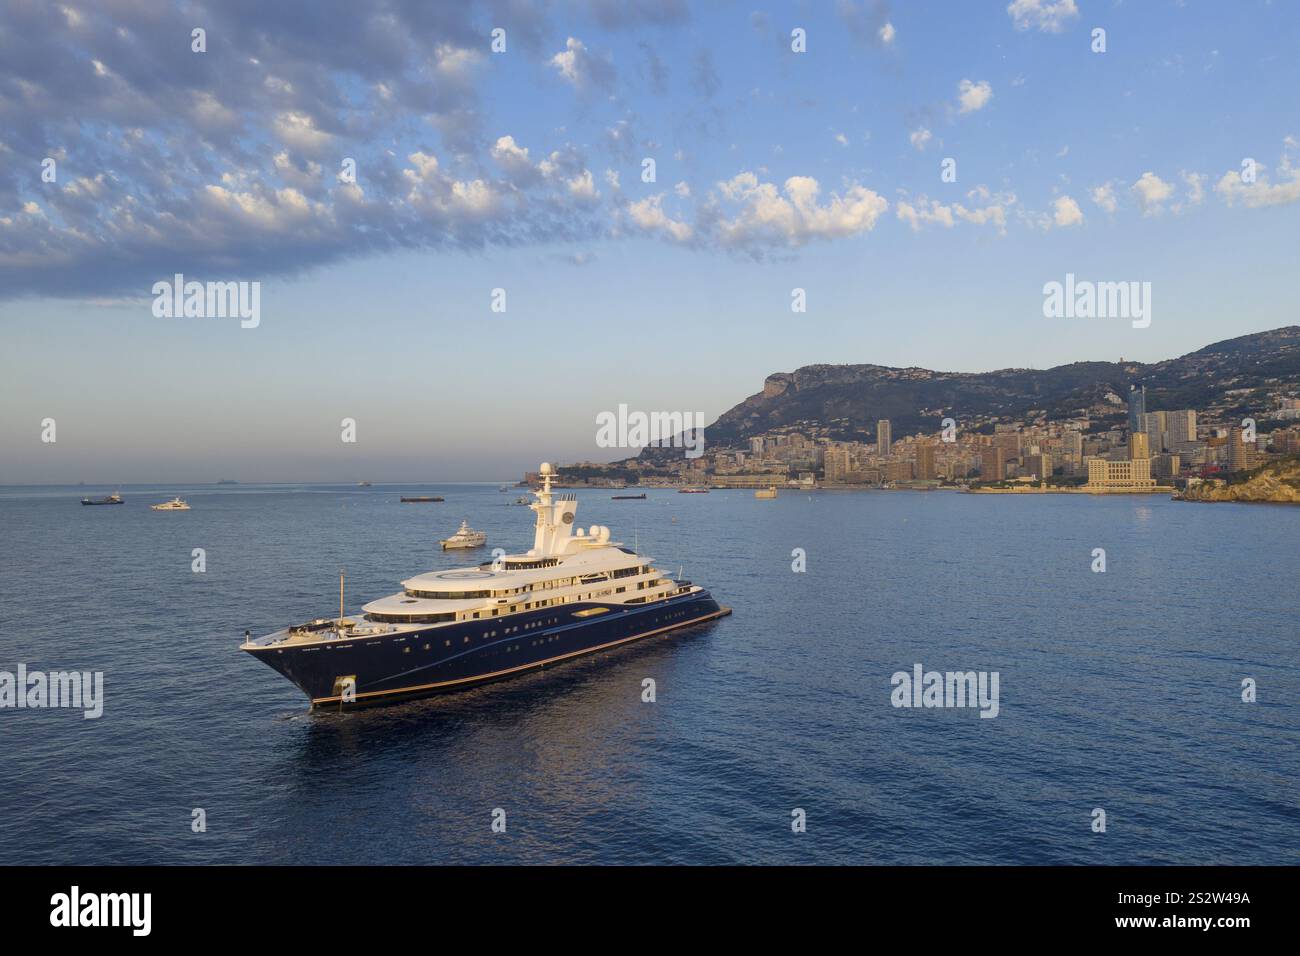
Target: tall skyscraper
x=1156, y=426
x=1182, y=427
x=884, y=438
x=1137, y=407
x=1138, y=446
x=1074, y=449
x=1239, y=451
x=993, y=463
x=925, y=463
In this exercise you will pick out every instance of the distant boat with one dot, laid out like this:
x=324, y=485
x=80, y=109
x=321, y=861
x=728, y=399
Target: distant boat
x=522, y=500
x=692, y=491
x=640, y=497
x=363, y=484
x=176, y=504
x=420, y=499
x=768, y=492
x=503, y=489
x=465, y=537
x=113, y=499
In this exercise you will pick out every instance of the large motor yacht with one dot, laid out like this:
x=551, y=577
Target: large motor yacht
x=574, y=592
x=465, y=537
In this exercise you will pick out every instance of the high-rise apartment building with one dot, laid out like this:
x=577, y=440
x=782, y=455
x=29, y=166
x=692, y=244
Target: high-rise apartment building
x=884, y=438
x=1156, y=427
x=1240, y=456
x=1137, y=406
x=993, y=463
x=1181, y=427
x=1038, y=465
x=1166, y=466
x=1138, y=446
x=925, y=469
x=838, y=463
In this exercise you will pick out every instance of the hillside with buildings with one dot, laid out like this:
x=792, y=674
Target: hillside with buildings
x=847, y=400
x=1106, y=428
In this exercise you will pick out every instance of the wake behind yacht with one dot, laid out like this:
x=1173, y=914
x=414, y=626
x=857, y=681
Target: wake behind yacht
x=573, y=593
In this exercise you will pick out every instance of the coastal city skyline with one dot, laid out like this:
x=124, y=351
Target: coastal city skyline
x=1118, y=444
x=659, y=182
x=1173, y=447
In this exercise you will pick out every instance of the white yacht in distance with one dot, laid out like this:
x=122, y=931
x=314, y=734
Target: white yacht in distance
x=465, y=537
x=176, y=504
x=572, y=593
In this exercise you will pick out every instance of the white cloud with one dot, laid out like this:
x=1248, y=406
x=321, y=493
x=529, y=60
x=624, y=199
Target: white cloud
x=925, y=211
x=514, y=159
x=580, y=66
x=1066, y=212
x=299, y=131
x=792, y=215
x=973, y=96
x=887, y=33
x=682, y=190
x=583, y=187
x=1152, y=191
x=920, y=138
x=270, y=210
x=1048, y=16
x=648, y=215
x=1261, y=192
x=841, y=139
x=1195, y=187
x=1104, y=196
x=434, y=192
x=566, y=61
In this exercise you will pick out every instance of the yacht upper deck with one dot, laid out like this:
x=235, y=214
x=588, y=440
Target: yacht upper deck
x=563, y=566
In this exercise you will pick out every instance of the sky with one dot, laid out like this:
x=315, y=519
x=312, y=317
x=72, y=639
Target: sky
x=128, y=156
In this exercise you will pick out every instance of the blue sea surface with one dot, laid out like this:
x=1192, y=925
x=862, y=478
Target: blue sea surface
x=1119, y=690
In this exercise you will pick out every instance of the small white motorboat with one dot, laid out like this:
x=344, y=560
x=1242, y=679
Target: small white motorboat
x=465, y=537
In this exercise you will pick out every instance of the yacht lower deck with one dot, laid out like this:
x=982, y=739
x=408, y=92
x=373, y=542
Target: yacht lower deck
x=405, y=662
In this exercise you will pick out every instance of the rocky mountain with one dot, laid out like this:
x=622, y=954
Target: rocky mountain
x=1238, y=375
x=1276, y=482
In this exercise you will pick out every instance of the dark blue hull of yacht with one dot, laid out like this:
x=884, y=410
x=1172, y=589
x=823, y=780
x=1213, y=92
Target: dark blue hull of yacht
x=456, y=656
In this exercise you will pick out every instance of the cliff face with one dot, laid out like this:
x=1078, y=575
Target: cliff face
x=853, y=397
x=1277, y=482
